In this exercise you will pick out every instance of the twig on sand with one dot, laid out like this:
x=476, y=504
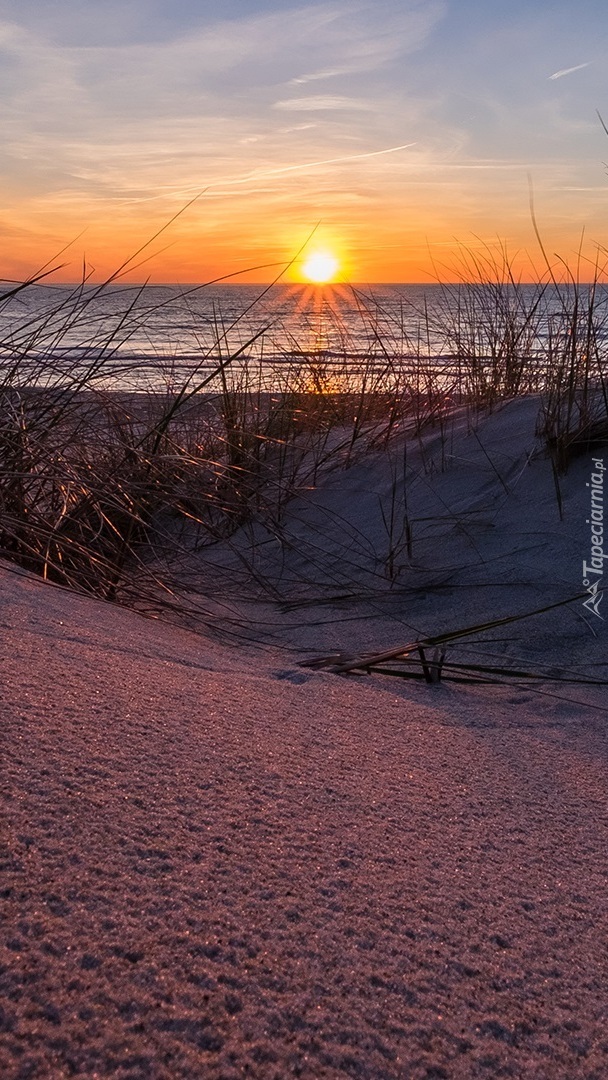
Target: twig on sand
x=343, y=666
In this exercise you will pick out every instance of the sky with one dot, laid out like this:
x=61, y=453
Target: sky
x=405, y=137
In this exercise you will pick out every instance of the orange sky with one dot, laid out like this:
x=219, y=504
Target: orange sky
x=391, y=134
x=376, y=239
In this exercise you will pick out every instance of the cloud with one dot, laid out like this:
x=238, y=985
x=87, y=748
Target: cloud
x=320, y=102
x=569, y=71
x=110, y=119
x=317, y=76
x=228, y=103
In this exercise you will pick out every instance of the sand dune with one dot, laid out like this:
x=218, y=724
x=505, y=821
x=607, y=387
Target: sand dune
x=220, y=864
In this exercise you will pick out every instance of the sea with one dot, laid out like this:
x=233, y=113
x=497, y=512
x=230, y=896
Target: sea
x=161, y=337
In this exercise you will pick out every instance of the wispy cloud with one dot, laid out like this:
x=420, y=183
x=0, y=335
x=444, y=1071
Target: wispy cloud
x=114, y=120
x=320, y=102
x=318, y=76
x=568, y=71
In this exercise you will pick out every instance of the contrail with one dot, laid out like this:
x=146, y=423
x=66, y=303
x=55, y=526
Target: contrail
x=314, y=164
x=232, y=181
x=568, y=71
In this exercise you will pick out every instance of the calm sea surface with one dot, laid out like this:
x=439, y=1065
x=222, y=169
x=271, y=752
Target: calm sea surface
x=126, y=337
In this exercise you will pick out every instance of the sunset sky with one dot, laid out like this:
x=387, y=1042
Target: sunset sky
x=284, y=116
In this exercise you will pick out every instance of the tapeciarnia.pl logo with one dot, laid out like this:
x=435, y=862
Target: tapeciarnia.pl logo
x=593, y=570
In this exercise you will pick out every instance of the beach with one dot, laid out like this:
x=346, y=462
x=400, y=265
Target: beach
x=303, y=559
x=221, y=863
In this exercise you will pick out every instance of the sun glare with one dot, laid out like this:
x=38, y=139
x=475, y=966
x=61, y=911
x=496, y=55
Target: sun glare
x=320, y=267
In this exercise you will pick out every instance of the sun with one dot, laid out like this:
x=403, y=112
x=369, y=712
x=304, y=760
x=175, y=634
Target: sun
x=321, y=267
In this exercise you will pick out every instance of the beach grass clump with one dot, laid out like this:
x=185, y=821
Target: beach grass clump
x=486, y=325
x=93, y=478
x=500, y=338
x=574, y=410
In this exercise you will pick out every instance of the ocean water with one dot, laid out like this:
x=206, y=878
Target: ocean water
x=128, y=337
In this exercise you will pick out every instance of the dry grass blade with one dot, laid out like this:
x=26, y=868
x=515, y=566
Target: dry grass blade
x=442, y=639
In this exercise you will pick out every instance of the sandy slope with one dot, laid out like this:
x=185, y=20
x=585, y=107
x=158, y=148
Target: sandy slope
x=218, y=864
x=487, y=540
x=217, y=867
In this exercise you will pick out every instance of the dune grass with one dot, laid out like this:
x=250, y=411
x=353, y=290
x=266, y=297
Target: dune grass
x=106, y=491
